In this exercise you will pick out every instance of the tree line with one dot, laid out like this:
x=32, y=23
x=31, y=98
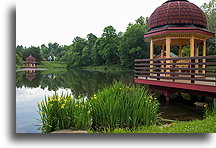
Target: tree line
x=111, y=48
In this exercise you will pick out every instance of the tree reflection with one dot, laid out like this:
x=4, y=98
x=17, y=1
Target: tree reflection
x=79, y=81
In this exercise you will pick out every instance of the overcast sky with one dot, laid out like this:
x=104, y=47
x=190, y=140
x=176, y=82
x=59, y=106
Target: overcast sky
x=43, y=21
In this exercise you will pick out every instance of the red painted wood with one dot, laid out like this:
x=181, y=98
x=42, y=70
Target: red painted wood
x=165, y=31
x=195, y=87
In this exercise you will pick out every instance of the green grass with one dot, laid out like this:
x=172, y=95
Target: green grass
x=207, y=125
x=52, y=64
x=105, y=68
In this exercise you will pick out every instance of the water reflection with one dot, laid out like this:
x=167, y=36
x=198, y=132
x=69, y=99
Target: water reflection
x=32, y=86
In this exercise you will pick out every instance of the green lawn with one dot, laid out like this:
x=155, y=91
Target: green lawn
x=105, y=67
x=52, y=64
x=207, y=125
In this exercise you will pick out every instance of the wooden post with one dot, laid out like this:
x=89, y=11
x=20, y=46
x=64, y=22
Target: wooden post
x=192, y=46
x=204, y=54
x=162, y=56
x=151, y=56
x=196, y=54
x=180, y=50
x=192, y=55
x=168, y=42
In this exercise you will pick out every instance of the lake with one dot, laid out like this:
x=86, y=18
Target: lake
x=33, y=85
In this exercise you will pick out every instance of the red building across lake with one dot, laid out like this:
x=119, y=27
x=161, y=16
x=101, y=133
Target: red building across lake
x=30, y=62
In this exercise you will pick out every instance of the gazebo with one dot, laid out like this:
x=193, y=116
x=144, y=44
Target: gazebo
x=178, y=23
x=30, y=62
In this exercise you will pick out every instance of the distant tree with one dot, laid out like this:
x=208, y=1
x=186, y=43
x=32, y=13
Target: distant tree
x=132, y=45
x=210, y=12
x=34, y=51
x=108, y=47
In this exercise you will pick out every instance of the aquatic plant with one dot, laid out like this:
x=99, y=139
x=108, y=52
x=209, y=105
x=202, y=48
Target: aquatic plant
x=117, y=106
x=64, y=112
x=122, y=106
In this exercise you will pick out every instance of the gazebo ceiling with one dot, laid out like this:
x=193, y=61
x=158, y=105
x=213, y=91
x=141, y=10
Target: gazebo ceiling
x=177, y=13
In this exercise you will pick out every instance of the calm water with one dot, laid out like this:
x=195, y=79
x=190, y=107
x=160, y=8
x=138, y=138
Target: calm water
x=32, y=86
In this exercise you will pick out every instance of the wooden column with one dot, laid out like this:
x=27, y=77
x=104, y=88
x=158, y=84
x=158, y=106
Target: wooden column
x=192, y=55
x=204, y=54
x=168, y=44
x=151, y=56
x=196, y=54
x=162, y=56
x=180, y=50
x=192, y=46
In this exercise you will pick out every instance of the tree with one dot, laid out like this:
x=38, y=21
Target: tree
x=108, y=47
x=210, y=12
x=132, y=45
x=34, y=51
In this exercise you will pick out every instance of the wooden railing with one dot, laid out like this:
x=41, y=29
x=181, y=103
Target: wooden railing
x=193, y=69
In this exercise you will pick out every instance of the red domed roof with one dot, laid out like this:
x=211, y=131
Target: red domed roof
x=30, y=58
x=177, y=13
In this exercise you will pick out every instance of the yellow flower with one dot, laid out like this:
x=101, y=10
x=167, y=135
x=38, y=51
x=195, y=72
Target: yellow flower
x=65, y=101
x=144, y=97
x=41, y=113
x=43, y=105
x=79, y=96
x=205, y=105
x=94, y=95
x=155, y=98
x=80, y=101
x=51, y=105
x=39, y=104
x=151, y=97
x=63, y=105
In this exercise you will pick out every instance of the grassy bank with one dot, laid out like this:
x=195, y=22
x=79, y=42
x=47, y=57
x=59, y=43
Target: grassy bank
x=52, y=64
x=207, y=125
x=105, y=68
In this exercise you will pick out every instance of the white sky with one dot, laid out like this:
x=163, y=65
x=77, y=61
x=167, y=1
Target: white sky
x=43, y=21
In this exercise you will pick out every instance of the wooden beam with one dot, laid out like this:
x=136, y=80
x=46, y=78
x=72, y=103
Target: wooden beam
x=192, y=46
x=151, y=54
x=180, y=50
x=204, y=54
x=162, y=56
x=168, y=44
x=196, y=54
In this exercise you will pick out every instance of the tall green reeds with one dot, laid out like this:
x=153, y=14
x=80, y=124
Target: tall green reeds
x=121, y=106
x=117, y=106
x=64, y=112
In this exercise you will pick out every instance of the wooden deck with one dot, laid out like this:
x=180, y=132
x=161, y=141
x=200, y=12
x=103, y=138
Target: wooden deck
x=204, y=82
x=199, y=74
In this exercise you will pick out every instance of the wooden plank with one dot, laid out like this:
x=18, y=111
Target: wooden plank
x=175, y=78
x=177, y=73
x=180, y=58
x=175, y=68
x=197, y=87
x=174, y=64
